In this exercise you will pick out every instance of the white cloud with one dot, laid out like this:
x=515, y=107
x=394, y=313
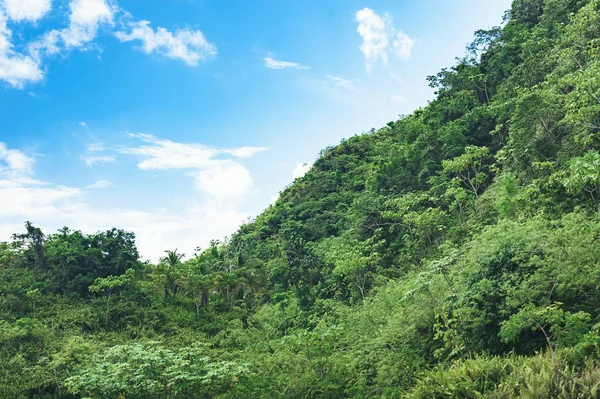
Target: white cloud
x=398, y=98
x=94, y=148
x=86, y=17
x=245, y=152
x=403, y=45
x=339, y=82
x=272, y=63
x=27, y=201
x=301, y=169
x=90, y=12
x=14, y=163
x=167, y=154
x=91, y=160
x=374, y=31
x=380, y=38
x=222, y=179
x=99, y=184
x=48, y=44
x=16, y=69
x=27, y=10
x=188, y=45
x=82, y=124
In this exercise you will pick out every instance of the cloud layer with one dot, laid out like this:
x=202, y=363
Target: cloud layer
x=51, y=206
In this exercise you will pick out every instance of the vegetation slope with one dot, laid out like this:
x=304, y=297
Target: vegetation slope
x=450, y=254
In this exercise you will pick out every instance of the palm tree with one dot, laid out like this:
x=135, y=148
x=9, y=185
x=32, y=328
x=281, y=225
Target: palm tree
x=169, y=263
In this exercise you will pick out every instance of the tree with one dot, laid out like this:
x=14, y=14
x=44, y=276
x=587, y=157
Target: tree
x=110, y=285
x=471, y=168
x=548, y=320
x=197, y=282
x=168, y=267
x=353, y=261
x=75, y=259
x=584, y=175
x=34, y=238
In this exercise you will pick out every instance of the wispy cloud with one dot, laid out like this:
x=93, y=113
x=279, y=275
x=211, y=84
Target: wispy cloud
x=91, y=155
x=187, y=45
x=380, y=38
x=167, y=154
x=91, y=160
x=272, y=63
x=99, y=184
x=339, y=82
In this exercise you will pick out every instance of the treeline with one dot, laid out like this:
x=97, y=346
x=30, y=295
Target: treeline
x=454, y=253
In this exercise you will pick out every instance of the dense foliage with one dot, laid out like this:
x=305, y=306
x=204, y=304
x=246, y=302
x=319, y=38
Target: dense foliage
x=453, y=253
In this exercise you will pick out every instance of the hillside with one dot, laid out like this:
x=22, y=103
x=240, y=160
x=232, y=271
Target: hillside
x=450, y=254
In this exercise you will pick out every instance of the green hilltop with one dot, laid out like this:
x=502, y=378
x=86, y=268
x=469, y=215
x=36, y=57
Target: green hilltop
x=454, y=253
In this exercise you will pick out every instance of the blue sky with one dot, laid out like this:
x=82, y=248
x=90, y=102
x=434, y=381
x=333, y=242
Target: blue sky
x=180, y=119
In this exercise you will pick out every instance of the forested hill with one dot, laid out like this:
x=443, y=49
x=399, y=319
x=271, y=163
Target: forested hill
x=453, y=253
